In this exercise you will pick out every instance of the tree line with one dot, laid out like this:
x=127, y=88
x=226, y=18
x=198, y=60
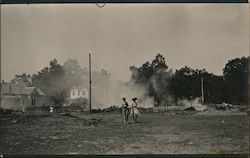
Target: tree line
x=55, y=80
x=167, y=87
x=161, y=83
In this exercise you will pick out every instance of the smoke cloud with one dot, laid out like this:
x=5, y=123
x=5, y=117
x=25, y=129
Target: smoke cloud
x=110, y=93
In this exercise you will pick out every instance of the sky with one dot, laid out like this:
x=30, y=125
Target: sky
x=121, y=35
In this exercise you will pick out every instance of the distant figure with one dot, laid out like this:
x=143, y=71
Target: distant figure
x=23, y=109
x=125, y=111
x=51, y=109
x=134, y=110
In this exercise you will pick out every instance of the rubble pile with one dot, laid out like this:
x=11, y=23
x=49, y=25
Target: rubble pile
x=224, y=106
x=146, y=110
x=4, y=112
x=112, y=109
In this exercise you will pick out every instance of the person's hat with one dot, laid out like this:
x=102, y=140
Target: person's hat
x=134, y=99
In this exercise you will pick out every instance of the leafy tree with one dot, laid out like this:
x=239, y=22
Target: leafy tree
x=231, y=87
x=22, y=79
x=236, y=69
x=74, y=74
x=159, y=64
x=186, y=84
x=214, y=89
x=55, y=80
x=236, y=75
x=51, y=81
x=181, y=83
x=154, y=77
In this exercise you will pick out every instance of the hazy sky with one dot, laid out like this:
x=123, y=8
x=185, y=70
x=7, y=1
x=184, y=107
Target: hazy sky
x=121, y=35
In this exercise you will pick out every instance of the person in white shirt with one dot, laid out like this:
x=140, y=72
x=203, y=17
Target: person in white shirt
x=125, y=110
x=134, y=110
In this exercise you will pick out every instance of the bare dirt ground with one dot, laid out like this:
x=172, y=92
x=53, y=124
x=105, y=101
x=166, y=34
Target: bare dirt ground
x=181, y=133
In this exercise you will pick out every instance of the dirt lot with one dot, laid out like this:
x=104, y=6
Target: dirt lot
x=181, y=133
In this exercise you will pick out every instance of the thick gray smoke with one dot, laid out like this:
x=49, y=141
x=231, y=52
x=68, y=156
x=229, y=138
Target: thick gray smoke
x=106, y=92
x=112, y=92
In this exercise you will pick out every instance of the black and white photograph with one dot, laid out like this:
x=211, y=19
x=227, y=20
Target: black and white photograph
x=130, y=78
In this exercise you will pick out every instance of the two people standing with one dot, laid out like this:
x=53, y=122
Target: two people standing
x=134, y=111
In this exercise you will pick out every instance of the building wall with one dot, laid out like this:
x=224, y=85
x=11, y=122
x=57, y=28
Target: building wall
x=75, y=93
x=18, y=102
x=37, y=100
x=14, y=102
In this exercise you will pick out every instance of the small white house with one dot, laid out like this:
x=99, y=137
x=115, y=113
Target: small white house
x=78, y=92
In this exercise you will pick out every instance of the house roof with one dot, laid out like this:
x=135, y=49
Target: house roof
x=32, y=90
x=9, y=88
x=17, y=89
x=79, y=87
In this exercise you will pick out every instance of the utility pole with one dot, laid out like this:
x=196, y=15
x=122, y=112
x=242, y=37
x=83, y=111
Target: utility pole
x=202, y=91
x=90, y=82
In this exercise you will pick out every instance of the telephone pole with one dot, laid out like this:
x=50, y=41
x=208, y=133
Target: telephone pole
x=202, y=91
x=90, y=82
